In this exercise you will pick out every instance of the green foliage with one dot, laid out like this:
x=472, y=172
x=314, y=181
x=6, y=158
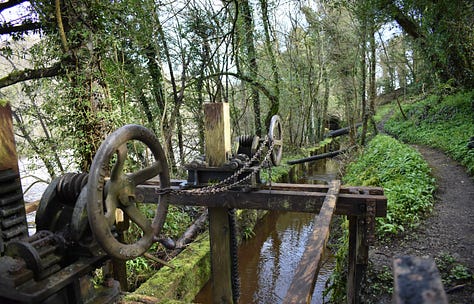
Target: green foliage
x=408, y=186
x=138, y=271
x=177, y=221
x=338, y=279
x=443, y=123
x=452, y=272
x=383, y=111
x=379, y=282
x=281, y=173
x=403, y=174
x=248, y=233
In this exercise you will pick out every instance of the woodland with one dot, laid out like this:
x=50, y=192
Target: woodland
x=76, y=70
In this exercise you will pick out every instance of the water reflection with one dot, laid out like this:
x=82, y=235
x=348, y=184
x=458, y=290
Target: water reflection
x=267, y=262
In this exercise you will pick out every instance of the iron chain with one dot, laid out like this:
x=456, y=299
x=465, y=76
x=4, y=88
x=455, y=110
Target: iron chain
x=232, y=180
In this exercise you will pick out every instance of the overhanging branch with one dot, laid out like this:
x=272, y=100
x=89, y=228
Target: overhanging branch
x=25, y=27
x=30, y=74
x=259, y=86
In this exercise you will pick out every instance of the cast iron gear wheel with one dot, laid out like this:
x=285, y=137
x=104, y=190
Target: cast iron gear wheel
x=275, y=137
x=248, y=145
x=103, y=200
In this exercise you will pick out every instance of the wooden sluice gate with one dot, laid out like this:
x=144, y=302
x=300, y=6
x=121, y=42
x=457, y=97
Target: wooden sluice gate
x=360, y=204
x=91, y=212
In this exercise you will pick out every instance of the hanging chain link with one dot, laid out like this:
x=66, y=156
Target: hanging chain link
x=231, y=181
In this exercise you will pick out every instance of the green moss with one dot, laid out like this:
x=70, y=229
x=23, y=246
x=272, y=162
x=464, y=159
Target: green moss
x=182, y=283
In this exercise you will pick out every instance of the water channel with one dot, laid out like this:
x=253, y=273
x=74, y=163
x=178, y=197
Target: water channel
x=267, y=262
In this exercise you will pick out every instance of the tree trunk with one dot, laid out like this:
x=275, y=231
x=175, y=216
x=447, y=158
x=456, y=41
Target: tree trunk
x=275, y=103
x=363, y=83
x=372, y=83
x=247, y=37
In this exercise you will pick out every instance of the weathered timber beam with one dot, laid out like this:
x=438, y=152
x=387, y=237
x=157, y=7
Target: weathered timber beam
x=302, y=287
x=324, y=188
x=299, y=201
x=294, y=187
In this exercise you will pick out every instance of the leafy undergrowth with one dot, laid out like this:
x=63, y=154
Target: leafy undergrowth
x=405, y=177
x=444, y=123
x=141, y=268
x=408, y=186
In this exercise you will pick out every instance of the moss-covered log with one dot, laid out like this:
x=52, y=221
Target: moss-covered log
x=182, y=283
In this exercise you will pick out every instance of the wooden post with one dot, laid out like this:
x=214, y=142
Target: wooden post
x=218, y=147
x=11, y=196
x=8, y=156
x=358, y=257
x=217, y=133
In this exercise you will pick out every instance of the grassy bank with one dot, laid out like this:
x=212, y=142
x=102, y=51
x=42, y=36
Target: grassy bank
x=408, y=186
x=445, y=123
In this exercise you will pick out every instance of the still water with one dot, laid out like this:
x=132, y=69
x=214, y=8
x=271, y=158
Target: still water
x=268, y=261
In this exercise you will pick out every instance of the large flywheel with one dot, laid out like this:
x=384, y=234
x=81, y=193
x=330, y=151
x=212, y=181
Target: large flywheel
x=275, y=136
x=110, y=190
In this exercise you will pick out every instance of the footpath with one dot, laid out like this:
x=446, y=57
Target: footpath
x=447, y=234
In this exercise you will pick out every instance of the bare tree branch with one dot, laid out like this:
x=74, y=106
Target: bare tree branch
x=256, y=84
x=29, y=74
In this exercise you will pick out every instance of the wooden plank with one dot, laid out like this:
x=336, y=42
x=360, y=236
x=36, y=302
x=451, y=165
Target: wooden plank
x=306, y=274
x=8, y=155
x=300, y=201
x=295, y=187
x=218, y=147
x=324, y=188
x=417, y=280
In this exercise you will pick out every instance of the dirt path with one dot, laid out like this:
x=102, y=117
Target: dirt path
x=448, y=231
